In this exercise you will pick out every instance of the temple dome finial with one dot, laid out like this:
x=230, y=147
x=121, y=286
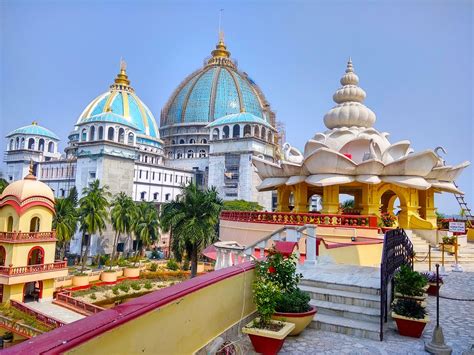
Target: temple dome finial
x=121, y=81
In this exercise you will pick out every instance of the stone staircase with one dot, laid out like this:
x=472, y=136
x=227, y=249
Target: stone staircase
x=347, y=309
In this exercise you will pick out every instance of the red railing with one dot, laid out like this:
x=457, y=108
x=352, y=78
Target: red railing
x=30, y=269
x=14, y=326
x=43, y=318
x=77, y=305
x=293, y=218
x=26, y=237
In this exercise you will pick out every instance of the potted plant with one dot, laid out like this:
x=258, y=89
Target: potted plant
x=449, y=244
x=8, y=337
x=109, y=276
x=293, y=304
x=267, y=335
x=432, y=286
x=80, y=279
x=410, y=284
x=410, y=316
x=388, y=221
x=132, y=270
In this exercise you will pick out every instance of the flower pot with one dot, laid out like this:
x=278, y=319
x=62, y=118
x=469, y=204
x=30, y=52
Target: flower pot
x=433, y=289
x=131, y=272
x=119, y=272
x=410, y=327
x=109, y=276
x=266, y=341
x=449, y=248
x=82, y=280
x=418, y=298
x=300, y=320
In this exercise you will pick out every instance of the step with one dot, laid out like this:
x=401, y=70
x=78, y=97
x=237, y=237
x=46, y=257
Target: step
x=341, y=287
x=346, y=326
x=345, y=297
x=347, y=311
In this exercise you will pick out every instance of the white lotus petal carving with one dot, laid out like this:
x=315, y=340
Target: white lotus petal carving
x=419, y=164
x=312, y=145
x=328, y=179
x=326, y=161
x=290, y=169
x=396, y=151
x=416, y=182
x=454, y=172
x=439, y=173
x=293, y=180
x=445, y=186
x=270, y=183
x=320, y=137
x=368, y=179
x=267, y=169
x=370, y=167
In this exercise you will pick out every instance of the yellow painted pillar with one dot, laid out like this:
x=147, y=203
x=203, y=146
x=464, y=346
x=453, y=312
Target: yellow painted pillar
x=301, y=197
x=358, y=200
x=427, y=206
x=330, y=199
x=283, y=197
x=13, y=292
x=370, y=201
x=410, y=209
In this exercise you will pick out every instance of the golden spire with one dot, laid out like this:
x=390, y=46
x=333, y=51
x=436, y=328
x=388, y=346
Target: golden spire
x=221, y=49
x=34, y=123
x=122, y=78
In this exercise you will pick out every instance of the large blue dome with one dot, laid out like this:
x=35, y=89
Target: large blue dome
x=216, y=90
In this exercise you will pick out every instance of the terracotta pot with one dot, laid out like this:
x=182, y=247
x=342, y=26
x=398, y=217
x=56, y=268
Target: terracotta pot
x=410, y=327
x=119, y=272
x=300, y=320
x=131, y=272
x=108, y=276
x=432, y=289
x=417, y=298
x=265, y=341
x=80, y=280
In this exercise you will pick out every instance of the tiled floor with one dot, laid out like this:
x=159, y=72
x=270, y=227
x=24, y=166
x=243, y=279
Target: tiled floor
x=58, y=312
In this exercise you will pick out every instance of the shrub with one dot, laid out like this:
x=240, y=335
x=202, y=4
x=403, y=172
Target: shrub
x=409, y=282
x=94, y=288
x=409, y=308
x=93, y=296
x=148, y=285
x=115, y=290
x=431, y=277
x=135, y=285
x=125, y=287
x=280, y=271
x=153, y=267
x=172, y=265
x=296, y=301
x=265, y=295
x=185, y=266
x=241, y=205
x=449, y=240
x=122, y=262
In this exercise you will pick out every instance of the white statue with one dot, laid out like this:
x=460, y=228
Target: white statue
x=441, y=161
x=291, y=154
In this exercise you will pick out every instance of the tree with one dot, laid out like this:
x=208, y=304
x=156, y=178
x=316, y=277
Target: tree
x=192, y=217
x=146, y=226
x=3, y=184
x=93, y=216
x=242, y=205
x=347, y=205
x=65, y=221
x=123, y=215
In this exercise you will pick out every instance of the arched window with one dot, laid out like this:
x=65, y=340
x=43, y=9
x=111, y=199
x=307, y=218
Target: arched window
x=3, y=255
x=10, y=224
x=142, y=195
x=256, y=133
x=155, y=196
x=92, y=133
x=121, y=135
x=247, y=130
x=101, y=133
x=263, y=133
x=130, y=138
x=204, y=141
x=202, y=153
x=190, y=153
x=173, y=141
x=179, y=155
x=35, y=224
x=215, y=134
x=192, y=141
x=236, y=131
x=181, y=141
x=36, y=256
x=22, y=145
x=12, y=144
x=41, y=145
x=110, y=134
x=51, y=147
x=269, y=139
x=225, y=132
x=17, y=143
x=146, y=159
x=170, y=155
x=31, y=143
x=84, y=135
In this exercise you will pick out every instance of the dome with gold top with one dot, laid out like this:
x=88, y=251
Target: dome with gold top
x=216, y=90
x=121, y=105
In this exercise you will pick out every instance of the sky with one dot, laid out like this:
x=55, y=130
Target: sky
x=414, y=59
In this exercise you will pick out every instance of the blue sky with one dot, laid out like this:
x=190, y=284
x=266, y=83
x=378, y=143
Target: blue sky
x=414, y=60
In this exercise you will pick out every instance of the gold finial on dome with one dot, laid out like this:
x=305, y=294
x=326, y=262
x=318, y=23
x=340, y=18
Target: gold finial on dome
x=34, y=123
x=221, y=49
x=121, y=82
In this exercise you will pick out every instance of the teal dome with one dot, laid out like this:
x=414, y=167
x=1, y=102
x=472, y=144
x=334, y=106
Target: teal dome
x=124, y=105
x=34, y=129
x=217, y=90
x=243, y=117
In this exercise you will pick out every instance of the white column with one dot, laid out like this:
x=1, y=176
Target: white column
x=291, y=235
x=310, y=245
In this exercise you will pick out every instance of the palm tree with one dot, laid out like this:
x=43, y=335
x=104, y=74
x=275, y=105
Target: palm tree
x=92, y=213
x=3, y=184
x=123, y=215
x=64, y=222
x=146, y=227
x=193, y=218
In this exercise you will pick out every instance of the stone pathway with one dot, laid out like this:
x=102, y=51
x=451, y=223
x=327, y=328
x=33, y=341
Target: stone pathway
x=456, y=318
x=58, y=312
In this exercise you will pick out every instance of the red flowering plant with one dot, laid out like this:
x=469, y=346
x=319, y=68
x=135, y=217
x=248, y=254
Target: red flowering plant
x=388, y=220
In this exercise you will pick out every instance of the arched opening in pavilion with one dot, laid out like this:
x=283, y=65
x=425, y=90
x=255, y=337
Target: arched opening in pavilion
x=3, y=255
x=36, y=256
x=247, y=130
x=236, y=131
x=32, y=291
x=41, y=144
x=35, y=224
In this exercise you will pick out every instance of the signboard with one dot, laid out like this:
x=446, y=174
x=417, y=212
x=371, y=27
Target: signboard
x=457, y=227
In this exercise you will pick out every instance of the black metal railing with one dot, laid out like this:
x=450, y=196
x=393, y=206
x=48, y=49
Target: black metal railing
x=397, y=251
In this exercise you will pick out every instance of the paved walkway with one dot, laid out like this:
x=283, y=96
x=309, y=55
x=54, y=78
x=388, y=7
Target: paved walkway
x=58, y=312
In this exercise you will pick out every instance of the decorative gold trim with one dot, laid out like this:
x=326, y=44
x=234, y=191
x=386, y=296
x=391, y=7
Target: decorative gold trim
x=212, y=101
x=143, y=113
x=111, y=98
x=126, y=107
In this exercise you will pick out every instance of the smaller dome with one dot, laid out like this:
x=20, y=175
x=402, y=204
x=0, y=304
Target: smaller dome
x=242, y=117
x=28, y=191
x=110, y=117
x=34, y=129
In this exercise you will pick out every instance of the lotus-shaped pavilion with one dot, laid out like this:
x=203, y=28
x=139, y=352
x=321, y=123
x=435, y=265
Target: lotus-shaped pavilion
x=354, y=158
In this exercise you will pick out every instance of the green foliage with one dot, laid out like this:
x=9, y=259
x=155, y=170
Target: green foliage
x=93, y=296
x=148, y=285
x=172, y=265
x=135, y=286
x=122, y=262
x=347, y=205
x=241, y=205
x=185, y=265
x=94, y=288
x=279, y=270
x=124, y=286
x=449, y=240
x=65, y=221
x=146, y=225
x=123, y=216
x=192, y=220
x=266, y=295
x=409, y=282
x=409, y=308
x=115, y=290
x=295, y=301
x=3, y=184
x=153, y=267
x=7, y=335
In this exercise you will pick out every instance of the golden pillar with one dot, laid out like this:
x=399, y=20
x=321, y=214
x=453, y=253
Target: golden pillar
x=370, y=201
x=427, y=206
x=358, y=199
x=330, y=199
x=283, y=198
x=301, y=197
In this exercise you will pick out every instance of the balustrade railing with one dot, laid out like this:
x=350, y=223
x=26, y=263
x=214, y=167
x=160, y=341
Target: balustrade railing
x=294, y=218
x=30, y=269
x=28, y=236
x=85, y=307
x=43, y=318
x=19, y=328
